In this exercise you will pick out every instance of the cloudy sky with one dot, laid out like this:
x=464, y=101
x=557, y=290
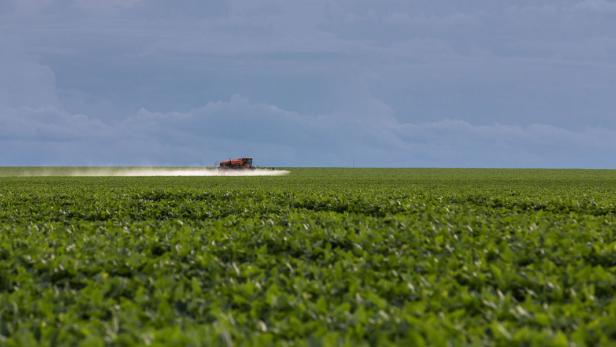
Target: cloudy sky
x=404, y=83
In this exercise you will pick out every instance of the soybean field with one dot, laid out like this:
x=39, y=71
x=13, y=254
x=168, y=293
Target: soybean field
x=319, y=257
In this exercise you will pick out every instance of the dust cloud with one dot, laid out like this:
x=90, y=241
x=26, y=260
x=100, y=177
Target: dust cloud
x=152, y=172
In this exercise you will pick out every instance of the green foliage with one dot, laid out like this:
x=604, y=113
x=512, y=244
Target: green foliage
x=322, y=257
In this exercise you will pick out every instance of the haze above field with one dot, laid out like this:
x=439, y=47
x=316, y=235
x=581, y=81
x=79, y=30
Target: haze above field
x=319, y=83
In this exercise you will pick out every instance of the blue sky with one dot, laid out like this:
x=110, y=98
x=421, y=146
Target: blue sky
x=482, y=83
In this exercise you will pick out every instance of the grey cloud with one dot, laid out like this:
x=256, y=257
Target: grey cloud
x=49, y=124
x=600, y=6
x=183, y=8
x=429, y=83
x=202, y=135
x=25, y=82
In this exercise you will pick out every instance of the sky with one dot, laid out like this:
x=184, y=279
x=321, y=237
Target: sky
x=388, y=83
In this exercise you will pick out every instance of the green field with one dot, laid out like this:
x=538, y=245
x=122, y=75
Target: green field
x=320, y=257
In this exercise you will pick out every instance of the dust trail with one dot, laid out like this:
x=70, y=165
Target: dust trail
x=151, y=172
x=198, y=172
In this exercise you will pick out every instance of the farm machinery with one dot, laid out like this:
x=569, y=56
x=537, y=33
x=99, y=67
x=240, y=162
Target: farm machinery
x=236, y=164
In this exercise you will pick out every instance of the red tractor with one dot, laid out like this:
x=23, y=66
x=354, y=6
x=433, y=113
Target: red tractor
x=239, y=163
